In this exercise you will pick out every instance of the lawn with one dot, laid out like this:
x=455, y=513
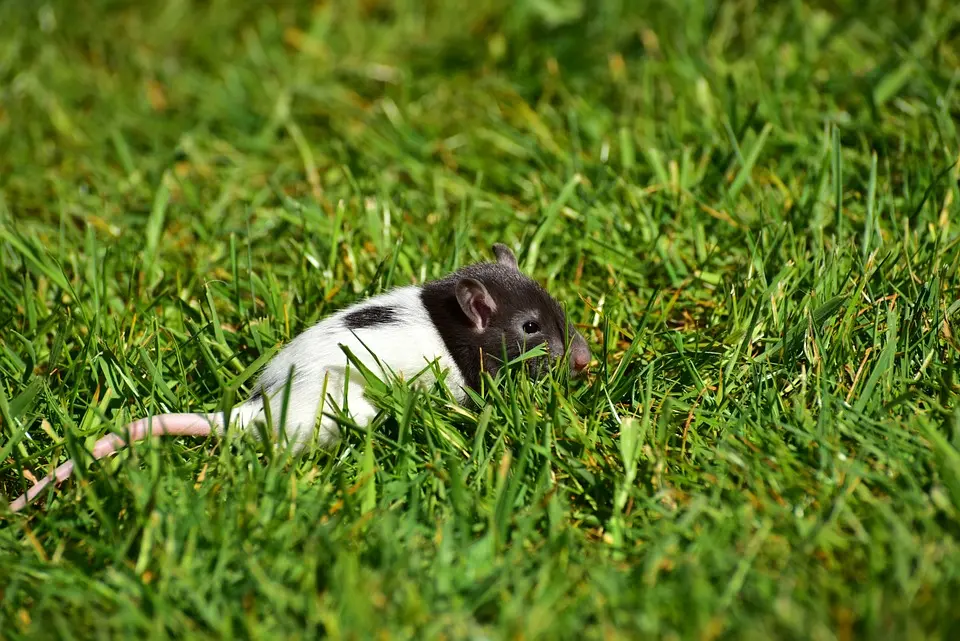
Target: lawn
x=749, y=209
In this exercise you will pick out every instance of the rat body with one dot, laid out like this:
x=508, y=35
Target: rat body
x=464, y=322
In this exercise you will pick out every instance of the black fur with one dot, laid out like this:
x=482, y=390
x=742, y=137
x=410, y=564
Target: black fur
x=370, y=317
x=518, y=299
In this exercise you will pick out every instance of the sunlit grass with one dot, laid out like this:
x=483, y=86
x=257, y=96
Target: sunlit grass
x=746, y=208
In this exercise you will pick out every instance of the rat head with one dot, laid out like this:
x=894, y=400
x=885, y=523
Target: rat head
x=488, y=309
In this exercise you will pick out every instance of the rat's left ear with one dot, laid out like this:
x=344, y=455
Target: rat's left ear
x=476, y=302
x=504, y=256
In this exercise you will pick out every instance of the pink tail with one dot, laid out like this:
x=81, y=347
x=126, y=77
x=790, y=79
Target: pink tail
x=162, y=424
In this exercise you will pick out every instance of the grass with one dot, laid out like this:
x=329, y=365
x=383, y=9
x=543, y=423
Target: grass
x=749, y=209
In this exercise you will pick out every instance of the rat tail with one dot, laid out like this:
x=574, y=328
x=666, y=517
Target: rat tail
x=159, y=425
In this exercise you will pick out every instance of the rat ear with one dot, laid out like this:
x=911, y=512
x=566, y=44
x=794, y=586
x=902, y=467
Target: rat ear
x=476, y=302
x=504, y=256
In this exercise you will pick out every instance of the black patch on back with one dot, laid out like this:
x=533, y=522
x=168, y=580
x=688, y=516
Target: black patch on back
x=370, y=317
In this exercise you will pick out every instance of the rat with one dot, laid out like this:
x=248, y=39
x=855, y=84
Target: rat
x=465, y=322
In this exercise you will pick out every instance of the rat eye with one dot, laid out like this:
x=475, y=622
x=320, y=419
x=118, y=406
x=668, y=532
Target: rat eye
x=531, y=327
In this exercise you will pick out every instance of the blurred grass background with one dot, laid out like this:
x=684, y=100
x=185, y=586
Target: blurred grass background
x=747, y=207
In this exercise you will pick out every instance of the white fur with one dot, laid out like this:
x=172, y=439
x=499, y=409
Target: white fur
x=404, y=348
x=407, y=347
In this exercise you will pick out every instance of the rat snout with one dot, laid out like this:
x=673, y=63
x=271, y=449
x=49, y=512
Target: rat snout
x=579, y=355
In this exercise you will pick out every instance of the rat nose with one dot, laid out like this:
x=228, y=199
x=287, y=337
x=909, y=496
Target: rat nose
x=580, y=356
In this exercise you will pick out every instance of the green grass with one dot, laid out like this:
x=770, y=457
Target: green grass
x=748, y=207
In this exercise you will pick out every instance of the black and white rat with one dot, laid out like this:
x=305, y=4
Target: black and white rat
x=464, y=322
